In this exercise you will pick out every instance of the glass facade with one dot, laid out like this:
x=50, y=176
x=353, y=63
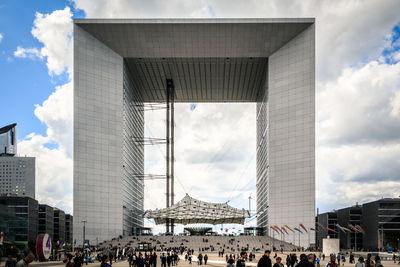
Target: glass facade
x=133, y=157
x=27, y=209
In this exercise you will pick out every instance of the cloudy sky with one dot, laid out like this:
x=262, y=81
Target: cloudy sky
x=358, y=99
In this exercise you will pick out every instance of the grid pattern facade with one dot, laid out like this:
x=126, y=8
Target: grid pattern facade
x=59, y=225
x=133, y=156
x=17, y=176
x=290, y=174
x=346, y=216
x=99, y=154
x=46, y=220
x=68, y=229
x=27, y=209
x=262, y=113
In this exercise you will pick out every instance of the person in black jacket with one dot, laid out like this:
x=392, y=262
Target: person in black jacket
x=265, y=261
x=241, y=261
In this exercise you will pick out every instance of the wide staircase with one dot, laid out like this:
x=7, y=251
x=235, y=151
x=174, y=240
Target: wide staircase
x=202, y=243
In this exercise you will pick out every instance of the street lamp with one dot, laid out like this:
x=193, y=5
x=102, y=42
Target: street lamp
x=84, y=231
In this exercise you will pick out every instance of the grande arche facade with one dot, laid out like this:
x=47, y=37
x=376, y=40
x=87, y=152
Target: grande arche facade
x=119, y=64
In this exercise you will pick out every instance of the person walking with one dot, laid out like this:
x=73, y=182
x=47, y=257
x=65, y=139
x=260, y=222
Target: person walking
x=278, y=262
x=265, y=261
x=205, y=259
x=241, y=261
x=26, y=260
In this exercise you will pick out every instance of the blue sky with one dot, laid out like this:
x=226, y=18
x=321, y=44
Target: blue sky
x=24, y=82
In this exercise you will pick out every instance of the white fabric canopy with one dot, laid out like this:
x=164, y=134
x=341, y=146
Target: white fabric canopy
x=190, y=210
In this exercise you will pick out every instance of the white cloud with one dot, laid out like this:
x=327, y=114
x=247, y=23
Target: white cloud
x=395, y=104
x=54, y=31
x=31, y=53
x=361, y=106
x=53, y=171
x=1, y=37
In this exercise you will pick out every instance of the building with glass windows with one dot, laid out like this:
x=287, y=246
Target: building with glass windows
x=59, y=225
x=26, y=208
x=17, y=174
x=46, y=220
x=119, y=64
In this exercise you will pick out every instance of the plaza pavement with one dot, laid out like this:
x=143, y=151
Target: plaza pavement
x=214, y=261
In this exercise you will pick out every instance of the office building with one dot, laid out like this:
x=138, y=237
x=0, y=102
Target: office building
x=17, y=174
x=46, y=220
x=8, y=140
x=350, y=216
x=327, y=219
x=68, y=229
x=381, y=224
x=119, y=64
x=28, y=209
x=59, y=225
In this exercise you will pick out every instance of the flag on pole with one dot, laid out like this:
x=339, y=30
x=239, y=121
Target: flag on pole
x=320, y=225
x=277, y=227
x=329, y=229
x=288, y=227
x=340, y=228
x=354, y=229
x=346, y=229
x=361, y=230
x=274, y=229
x=297, y=229
x=302, y=226
x=283, y=228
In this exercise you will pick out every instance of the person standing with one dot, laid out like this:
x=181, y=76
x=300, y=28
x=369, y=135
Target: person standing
x=241, y=261
x=265, y=261
x=154, y=259
x=230, y=263
x=200, y=259
x=278, y=262
x=163, y=260
x=360, y=262
x=25, y=261
x=332, y=262
x=205, y=259
x=68, y=260
x=104, y=261
x=288, y=264
x=78, y=260
x=369, y=262
x=169, y=260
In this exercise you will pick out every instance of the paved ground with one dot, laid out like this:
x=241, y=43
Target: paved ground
x=214, y=261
